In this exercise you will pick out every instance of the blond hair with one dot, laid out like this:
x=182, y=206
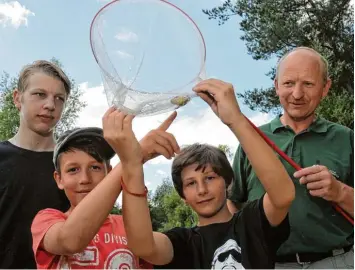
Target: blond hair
x=47, y=68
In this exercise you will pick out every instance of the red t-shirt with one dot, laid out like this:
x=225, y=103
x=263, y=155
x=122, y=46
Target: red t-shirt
x=108, y=249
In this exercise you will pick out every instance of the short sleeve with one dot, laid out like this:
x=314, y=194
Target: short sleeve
x=178, y=238
x=238, y=193
x=264, y=238
x=40, y=225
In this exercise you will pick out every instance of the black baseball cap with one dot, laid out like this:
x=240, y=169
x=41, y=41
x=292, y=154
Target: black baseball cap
x=92, y=133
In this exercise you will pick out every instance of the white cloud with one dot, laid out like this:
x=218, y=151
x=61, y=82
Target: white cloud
x=126, y=35
x=159, y=160
x=161, y=172
x=96, y=105
x=261, y=119
x=123, y=55
x=204, y=127
x=13, y=13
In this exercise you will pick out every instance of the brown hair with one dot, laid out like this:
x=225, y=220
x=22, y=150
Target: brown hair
x=91, y=146
x=47, y=68
x=203, y=155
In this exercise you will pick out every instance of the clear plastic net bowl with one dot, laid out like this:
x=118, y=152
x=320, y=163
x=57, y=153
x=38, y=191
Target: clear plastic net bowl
x=150, y=54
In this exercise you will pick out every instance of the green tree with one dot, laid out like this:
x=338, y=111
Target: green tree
x=116, y=210
x=273, y=27
x=9, y=116
x=227, y=150
x=156, y=204
x=178, y=213
x=168, y=210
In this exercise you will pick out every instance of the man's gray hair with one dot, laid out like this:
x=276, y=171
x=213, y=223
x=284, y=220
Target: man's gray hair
x=324, y=62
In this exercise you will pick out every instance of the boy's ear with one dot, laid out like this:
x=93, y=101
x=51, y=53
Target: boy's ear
x=16, y=96
x=58, y=180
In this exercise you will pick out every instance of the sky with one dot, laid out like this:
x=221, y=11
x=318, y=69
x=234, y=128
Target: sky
x=42, y=29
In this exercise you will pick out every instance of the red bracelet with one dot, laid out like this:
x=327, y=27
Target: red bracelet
x=134, y=194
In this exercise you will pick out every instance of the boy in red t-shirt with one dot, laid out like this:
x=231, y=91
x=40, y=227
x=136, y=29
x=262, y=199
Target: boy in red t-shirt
x=87, y=236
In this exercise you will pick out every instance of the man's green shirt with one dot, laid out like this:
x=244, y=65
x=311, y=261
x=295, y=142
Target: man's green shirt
x=315, y=225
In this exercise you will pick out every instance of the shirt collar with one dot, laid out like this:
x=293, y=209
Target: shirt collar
x=319, y=125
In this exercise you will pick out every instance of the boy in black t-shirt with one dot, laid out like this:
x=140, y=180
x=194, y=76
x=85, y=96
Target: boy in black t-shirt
x=201, y=175
x=26, y=169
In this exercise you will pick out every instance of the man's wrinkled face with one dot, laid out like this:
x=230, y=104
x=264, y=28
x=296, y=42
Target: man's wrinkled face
x=300, y=84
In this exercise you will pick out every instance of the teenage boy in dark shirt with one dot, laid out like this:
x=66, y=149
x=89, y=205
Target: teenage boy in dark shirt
x=201, y=175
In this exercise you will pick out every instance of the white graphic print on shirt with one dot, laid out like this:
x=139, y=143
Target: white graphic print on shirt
x=228, y=256
x=118, y=258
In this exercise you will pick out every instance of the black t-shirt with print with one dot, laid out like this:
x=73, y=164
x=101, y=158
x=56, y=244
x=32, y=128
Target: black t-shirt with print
x=26, y=187
x=246, y=241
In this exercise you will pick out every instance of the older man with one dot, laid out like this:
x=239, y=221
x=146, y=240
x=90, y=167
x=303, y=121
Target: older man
x=320, y=237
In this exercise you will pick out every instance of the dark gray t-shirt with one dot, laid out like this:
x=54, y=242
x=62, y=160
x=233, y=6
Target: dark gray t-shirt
x=246, y=241
x=26, y=187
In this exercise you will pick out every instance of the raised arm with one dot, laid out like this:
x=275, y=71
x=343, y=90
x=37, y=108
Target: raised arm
x=280, y=190
x=74, y=235
x=155, y=248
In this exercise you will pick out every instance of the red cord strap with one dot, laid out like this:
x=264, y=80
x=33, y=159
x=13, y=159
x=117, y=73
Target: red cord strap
x=134, y=194
x=295, y=166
